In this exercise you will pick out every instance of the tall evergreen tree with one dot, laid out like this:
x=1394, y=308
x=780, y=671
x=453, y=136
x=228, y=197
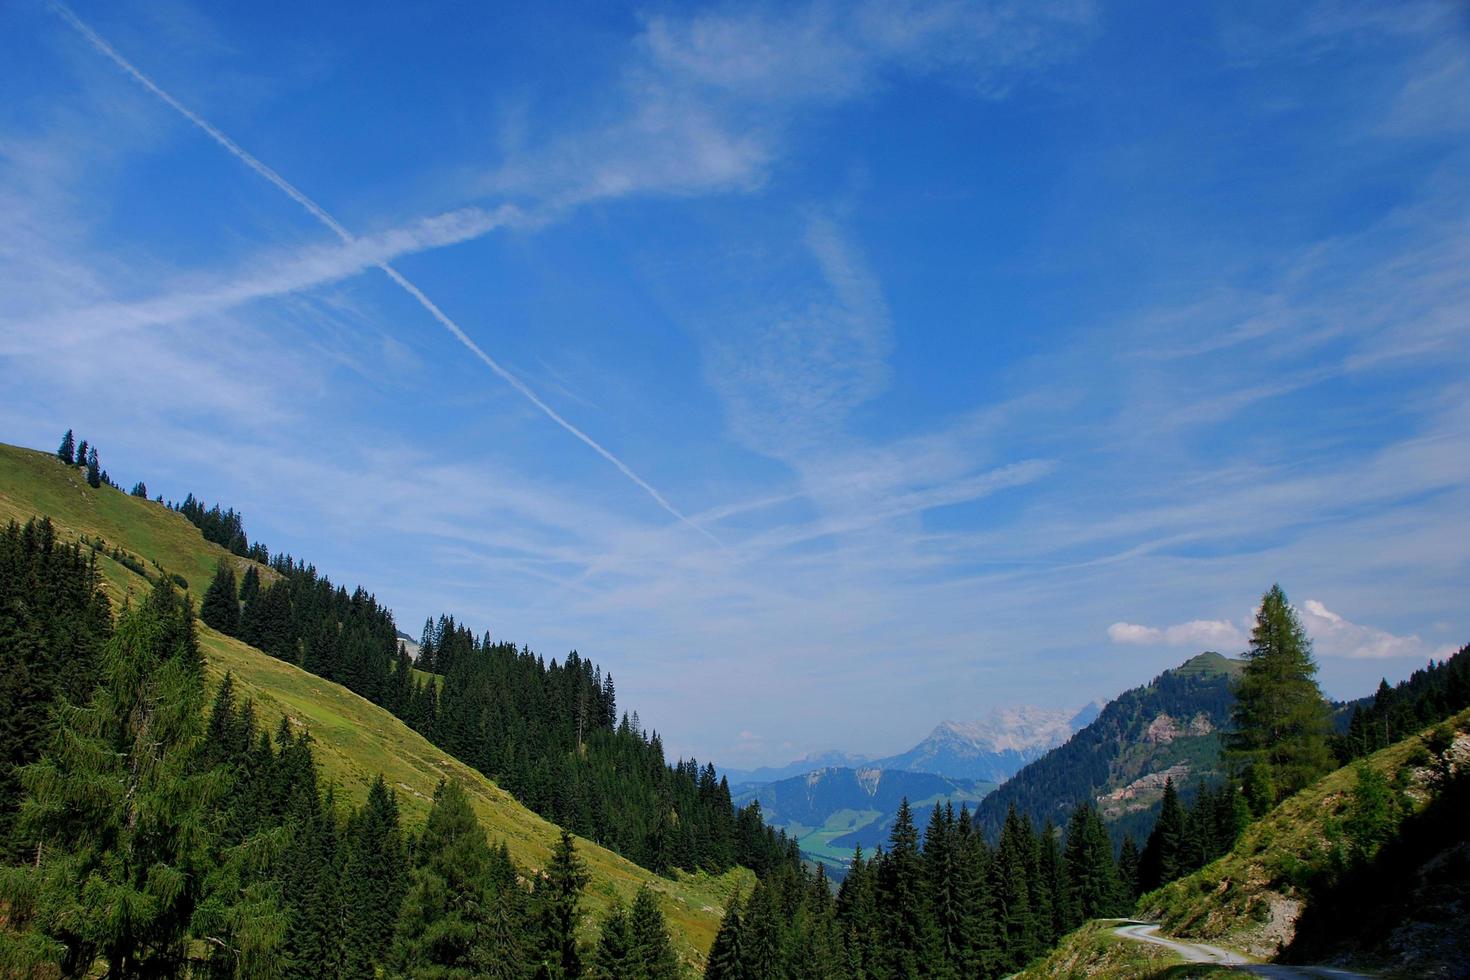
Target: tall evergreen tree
x=1281, y=719
x=94, y=469
x=1163, y=855
x=81, y=459
x=220, y=608
x=559, y=899
x=726, y=956
x=120, y=809
x=444, y=926
x=1094, y=889
x=651, y=956
x=66, y=452
x=372, y=880
x=901, y=895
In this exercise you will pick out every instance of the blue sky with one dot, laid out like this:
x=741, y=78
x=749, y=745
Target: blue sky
x=826, y=370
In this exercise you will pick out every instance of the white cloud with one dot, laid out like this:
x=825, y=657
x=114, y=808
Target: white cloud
x=1215, y=634
x=708, y=101
x=1334, y=636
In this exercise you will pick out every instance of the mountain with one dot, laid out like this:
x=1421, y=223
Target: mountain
x=353, y=739
x=1168, y=728
x=990, y=750
x=993, y=749
x=807, y=763
x=830, y=811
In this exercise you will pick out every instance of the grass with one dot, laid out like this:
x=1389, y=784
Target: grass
x=354, y=740
x=1094, y=951
x=818, y=842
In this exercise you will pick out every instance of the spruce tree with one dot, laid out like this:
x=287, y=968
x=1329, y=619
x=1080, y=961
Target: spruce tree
x=67, y=450
x=559, y=898
x=94, y=470
x=651, y=955
x=1163, y=854
x=1094, y=889
x=726, y=959
x=372, y=880
x=1281, y=719
x=444, y=926
x=220, y=608
x=901, y=895
x=81, y=459
x=1128, y=868
x=120, y=809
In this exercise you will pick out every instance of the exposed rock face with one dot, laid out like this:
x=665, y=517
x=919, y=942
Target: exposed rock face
x=1165, y=729
x=1142, y=792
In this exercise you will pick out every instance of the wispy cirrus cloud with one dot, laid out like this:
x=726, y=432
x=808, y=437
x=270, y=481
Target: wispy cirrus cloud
x=706, y=101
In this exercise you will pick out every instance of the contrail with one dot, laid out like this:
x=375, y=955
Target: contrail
x=321, y=215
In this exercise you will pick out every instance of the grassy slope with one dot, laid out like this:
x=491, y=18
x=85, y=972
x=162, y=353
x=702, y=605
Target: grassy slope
x=1247, y=898
x=355, y=740
x=1094, y=952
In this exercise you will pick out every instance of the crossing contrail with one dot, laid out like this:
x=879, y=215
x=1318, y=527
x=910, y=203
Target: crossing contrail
x=336, y=227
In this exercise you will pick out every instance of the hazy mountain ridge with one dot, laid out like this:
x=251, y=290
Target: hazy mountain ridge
x=991, y=749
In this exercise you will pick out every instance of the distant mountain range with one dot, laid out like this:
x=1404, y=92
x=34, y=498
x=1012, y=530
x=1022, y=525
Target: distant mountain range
x=831, y=810
x=990, y=750
x=995, y=748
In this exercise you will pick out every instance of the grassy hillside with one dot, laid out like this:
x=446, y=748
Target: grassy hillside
x=354, y=739
x=1289, y=885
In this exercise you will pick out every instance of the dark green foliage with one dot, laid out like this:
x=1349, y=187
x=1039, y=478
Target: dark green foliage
x=726, y=956
x=949, y=908
x=1280, y=719
x=220, y=608
x=119, y=810
x=225, y=528
x=634, y=944
x=447, y=927
x=373, y=880
x=558, y=908
x=1093, y=886
x=1431, y=694
x=1186, y=839
x=66, y=452
x=1128, y=869
x=140, y=489
x=54, y=621
x=94, y=470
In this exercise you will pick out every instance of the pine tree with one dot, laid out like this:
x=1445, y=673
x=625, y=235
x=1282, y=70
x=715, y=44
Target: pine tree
x=120, y=810
x=726, y=957
x=651, y=955
x=94, y=471
x=444, y=926
x=612, y=955
x=81, y=458
x=1093, y=886
x=1281, y=719
x=1163, y=855
x=559, y=897
x=372, y=880
x=220, y=608
x=1128, y=868
x=67, y=451
x=140, y=489
x=901, y=895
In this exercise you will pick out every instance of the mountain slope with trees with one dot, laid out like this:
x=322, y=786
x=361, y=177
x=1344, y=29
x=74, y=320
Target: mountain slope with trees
x=1121, y=761
x=130, y=541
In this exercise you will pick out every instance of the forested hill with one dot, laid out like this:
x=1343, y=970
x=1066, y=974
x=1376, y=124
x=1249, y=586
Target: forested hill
x=1168, y=727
